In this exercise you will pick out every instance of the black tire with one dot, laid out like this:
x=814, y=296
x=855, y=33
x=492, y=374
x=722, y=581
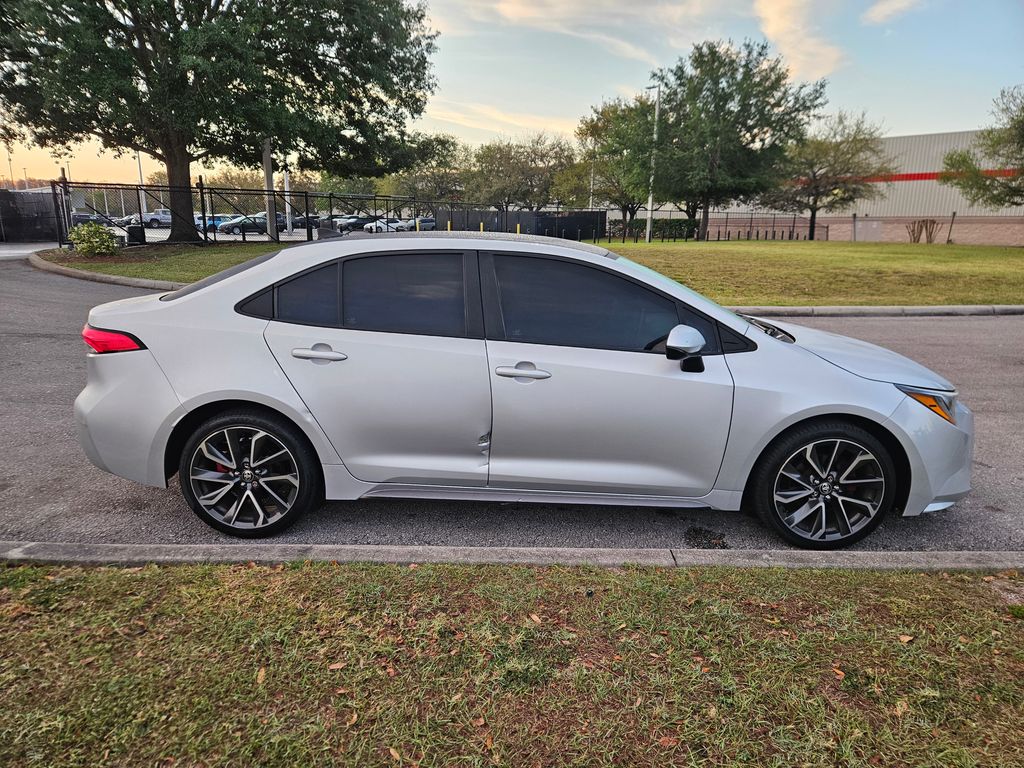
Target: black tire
x=239, y=423
x=791, y=446
x=236, y=230
x=154, y=223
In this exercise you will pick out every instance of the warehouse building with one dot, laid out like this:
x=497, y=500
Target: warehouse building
x=914, y=193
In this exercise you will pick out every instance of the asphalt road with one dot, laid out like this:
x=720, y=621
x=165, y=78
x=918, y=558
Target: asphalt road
x=50, y=492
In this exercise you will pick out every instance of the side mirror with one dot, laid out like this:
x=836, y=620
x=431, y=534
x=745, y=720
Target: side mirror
x=683, y=344
x=683, y=341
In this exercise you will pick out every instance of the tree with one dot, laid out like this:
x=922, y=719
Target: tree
x=1001, y=148
x=335, y=81
x=832, y=169
x=440, y=174
x=616, y=141
x=730, y=114
x=518, y=174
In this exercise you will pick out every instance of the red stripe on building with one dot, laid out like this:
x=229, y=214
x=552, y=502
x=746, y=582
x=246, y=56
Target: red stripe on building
x=934, y=175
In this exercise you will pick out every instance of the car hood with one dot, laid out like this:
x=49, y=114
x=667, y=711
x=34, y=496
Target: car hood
x=863, y=359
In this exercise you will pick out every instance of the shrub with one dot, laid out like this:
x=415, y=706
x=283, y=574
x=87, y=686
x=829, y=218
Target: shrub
x=92, y=239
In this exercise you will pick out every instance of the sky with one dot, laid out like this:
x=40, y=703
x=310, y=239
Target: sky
x=507, y=68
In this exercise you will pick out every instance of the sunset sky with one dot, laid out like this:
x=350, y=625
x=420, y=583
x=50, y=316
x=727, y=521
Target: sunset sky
x=510, y=67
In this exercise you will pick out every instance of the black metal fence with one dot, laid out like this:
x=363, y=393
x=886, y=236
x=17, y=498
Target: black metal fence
x=142, y=213
x=27, y=216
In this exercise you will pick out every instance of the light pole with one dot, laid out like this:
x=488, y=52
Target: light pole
x=142, y=194
x=654, y=149
x=10, y=168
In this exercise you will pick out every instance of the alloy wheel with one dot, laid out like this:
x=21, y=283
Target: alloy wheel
x=829, y=489
x=244, y=477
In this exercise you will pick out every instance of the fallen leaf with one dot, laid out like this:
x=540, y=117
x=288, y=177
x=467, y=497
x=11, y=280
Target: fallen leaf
x=479, y=722
x=839, y=673
x=413, y=566
x=89, y=660
x=535, y=618
x=668, y=741
x=901, y=708
x=352, y=720
x=395, y=755
x=336, y=665
x=621, y=626
x=457, y=697
x=489, y=741
x=906, y=638
x=261, y=675
x=341, y=691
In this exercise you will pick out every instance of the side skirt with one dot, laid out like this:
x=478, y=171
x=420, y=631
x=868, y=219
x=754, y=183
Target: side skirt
x=721, y=500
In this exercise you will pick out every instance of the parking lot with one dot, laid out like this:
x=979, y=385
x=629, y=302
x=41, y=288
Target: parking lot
x=50, y=492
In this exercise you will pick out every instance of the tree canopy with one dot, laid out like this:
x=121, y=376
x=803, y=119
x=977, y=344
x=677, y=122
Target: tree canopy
x=334, y=81
x=616, y=137
x=837, y=165
x=518, y=174
x=730, y=114
x=993, y=172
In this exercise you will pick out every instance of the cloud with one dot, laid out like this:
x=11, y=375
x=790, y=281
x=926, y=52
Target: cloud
x=883, y=10
x=486, y=117
x=623, y=32
x=789, y=25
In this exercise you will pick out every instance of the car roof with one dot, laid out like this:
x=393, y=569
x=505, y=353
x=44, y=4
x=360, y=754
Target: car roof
x=488, y=237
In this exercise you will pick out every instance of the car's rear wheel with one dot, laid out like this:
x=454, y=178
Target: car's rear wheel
x=154, y=223
x=249, y=474
x=824, y=486
x=236, y=230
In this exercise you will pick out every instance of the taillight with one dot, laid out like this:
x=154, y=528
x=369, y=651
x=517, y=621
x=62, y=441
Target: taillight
x=103, y=341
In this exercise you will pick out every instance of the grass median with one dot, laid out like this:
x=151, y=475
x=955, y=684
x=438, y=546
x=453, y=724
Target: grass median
x=732, y=273
x=320, y=664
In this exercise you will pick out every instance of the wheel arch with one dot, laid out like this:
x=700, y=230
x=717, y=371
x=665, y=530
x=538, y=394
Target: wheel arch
x=892, y=444
x=188, y=423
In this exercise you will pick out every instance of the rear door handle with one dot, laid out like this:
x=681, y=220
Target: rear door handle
x=318, y=352
x=516, y=372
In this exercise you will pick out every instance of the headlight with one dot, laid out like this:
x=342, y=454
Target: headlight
x=942, y=403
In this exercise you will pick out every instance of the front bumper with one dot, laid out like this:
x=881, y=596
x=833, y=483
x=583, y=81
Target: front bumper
x=940, y=455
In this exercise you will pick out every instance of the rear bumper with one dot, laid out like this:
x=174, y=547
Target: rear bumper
x=122, y=413
x=940, y=455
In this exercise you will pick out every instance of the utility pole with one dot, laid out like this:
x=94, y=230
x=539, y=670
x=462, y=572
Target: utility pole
x=593, y=159
x=142, y=197
x=268, y=180
x=287, y=198
x=654, y=150
x=10, y=169
x=25, y=171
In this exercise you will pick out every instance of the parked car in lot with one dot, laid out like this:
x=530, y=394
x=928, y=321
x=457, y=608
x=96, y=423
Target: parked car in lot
x=498, y=367
x=88, y=218
x=124, y=221
x=214, y=220
x=426, y=224
x=384, y=225
x=256, y=222
x=350, y=223
x=161, y=217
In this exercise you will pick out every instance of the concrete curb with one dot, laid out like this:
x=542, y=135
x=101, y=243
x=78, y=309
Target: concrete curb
x=13, y=552
x=950, y=310
x=98, y=277
x=938, y=310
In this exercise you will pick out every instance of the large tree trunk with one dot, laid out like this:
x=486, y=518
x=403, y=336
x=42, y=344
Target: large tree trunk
x=705, y=206
x=814, y=218
x=183, y=225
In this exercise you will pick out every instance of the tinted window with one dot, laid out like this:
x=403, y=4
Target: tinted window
x=311, y=298
x=260, y=305
x=409, y=293
x=556, y=302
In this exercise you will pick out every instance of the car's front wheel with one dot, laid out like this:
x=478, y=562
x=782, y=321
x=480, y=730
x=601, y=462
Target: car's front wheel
x=825, y=485
x=249, y=474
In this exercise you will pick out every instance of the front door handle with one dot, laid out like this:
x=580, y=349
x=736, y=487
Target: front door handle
x=319, y=352
x=527, y=371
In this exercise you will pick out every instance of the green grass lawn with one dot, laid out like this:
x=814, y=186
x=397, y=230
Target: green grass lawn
x=732, y=273
x=320, y=664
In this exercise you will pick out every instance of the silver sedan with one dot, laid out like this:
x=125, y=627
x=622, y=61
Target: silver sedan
x=508, y=368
